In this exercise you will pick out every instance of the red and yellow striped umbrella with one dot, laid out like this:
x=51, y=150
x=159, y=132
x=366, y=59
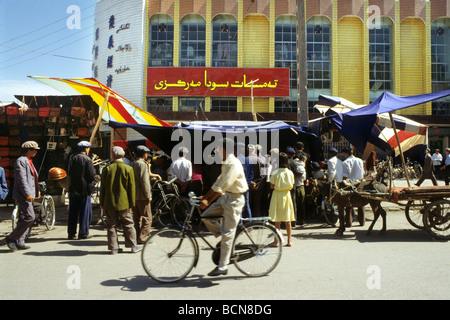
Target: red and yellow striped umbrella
x=118, y=109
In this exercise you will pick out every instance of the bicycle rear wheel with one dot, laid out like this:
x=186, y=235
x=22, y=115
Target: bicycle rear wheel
x=163, y=209
x=169, y=255
x=254, y=253
x=48, y=205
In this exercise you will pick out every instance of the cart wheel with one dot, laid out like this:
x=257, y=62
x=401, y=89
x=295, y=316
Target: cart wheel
x=414, y=213
x=436, y=219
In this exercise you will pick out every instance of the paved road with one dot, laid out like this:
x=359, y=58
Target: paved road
x=405, y=263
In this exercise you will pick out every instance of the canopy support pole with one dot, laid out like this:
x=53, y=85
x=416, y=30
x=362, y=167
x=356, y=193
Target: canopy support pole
x=99, y=119
x=251, y=90
x=400, y=149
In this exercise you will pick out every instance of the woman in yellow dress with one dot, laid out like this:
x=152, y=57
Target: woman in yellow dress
x=281, y=207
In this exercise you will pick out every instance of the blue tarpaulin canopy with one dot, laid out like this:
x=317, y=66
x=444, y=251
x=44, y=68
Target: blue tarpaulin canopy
x=356, y=125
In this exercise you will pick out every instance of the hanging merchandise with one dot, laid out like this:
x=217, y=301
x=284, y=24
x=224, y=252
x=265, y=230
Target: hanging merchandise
x=51, y=144
x=12, y=111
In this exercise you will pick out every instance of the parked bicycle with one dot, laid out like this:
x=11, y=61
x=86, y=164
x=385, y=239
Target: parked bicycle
x=44, y=208
x=170, y=254
x=165, y=194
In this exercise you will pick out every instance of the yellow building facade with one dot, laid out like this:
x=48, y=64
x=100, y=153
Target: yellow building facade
x=356, y=48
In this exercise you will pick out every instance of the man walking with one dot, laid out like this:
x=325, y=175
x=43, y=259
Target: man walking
x=229, y=189
x=82, y=174
x=117, y=197
x=353, y=169
x=428, y=169
x=25, y=190
x=142, y=214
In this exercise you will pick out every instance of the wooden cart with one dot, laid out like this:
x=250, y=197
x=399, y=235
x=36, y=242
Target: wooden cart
x=425, y=207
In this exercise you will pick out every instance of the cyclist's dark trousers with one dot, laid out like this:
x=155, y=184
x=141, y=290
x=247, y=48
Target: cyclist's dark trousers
x=80, y=210
x=26, y=219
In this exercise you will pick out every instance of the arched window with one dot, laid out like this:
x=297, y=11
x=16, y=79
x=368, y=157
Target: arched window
x=161, y=41
x=440, y=63
x=286, y=57
x=224, y=41
x=318, y=46
x=380, y=58
x=192, y=41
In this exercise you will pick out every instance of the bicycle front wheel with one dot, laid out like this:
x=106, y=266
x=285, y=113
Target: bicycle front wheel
x=257, y=249
x=48, y=206
x=169, y=255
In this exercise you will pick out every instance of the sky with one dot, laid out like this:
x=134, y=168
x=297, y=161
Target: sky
x=51, y=38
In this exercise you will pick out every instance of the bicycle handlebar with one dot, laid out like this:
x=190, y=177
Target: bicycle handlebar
x=167, y=182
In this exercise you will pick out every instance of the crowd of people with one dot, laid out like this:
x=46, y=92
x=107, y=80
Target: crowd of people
x=246, y=184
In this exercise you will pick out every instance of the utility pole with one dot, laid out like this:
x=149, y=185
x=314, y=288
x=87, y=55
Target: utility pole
x=302, y=92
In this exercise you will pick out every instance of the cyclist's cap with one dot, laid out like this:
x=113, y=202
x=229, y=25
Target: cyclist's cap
x=143, y=149
x=30, y=145
x=290, y=150
x=84, y=144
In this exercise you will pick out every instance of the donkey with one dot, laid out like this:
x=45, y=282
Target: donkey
x=349, y=197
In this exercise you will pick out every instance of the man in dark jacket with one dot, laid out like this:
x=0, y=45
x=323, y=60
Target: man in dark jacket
x=82, y=174
x=428, y=169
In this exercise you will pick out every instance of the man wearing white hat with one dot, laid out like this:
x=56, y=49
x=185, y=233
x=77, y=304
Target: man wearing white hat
x=25, y=190
x=82, y=175
x=117, y=197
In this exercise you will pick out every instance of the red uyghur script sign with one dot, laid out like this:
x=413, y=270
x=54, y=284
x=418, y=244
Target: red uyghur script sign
x=217, y=82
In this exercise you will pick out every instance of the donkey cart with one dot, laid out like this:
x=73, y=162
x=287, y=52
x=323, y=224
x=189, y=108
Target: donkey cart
x=425, y=207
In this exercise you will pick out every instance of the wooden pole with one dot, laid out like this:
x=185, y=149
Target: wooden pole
x=302, y=76
x=99, y=119
x=251, y=90
x=400, y=149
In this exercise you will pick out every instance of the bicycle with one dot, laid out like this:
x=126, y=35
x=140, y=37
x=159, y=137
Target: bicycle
x=44, y=209
x=162, y=201
x=170, y=254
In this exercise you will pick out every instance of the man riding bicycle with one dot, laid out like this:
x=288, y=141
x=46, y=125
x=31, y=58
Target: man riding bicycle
x=230, y=188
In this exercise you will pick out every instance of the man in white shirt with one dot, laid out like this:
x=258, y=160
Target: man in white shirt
x=334, y=166
x=437, y=161
x=229, y=190
x=353, y=169
x=182, y=169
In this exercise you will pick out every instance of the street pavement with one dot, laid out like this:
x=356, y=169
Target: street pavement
x=404, y=263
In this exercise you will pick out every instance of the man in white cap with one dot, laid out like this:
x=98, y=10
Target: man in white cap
x=82, y=175
x=25, y=190
x=142, y=214
x=117, y=198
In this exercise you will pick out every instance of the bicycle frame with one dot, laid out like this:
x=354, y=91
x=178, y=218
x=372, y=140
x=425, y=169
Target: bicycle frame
x=187, y=228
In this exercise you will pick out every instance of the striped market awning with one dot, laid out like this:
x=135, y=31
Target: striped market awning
x=118, y=109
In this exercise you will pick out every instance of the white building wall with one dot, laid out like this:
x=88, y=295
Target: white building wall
x=119, y=48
